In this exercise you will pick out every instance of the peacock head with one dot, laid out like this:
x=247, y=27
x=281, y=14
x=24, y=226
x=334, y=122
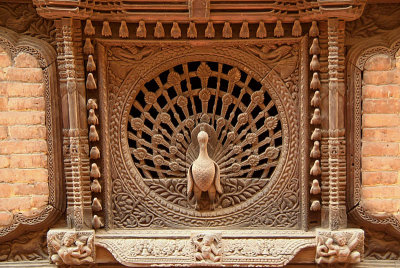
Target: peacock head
x=202, y=137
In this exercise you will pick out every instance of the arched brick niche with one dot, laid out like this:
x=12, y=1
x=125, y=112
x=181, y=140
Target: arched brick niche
x=30, y=157
x=23, y=154
x=374, y=135
x=380, y=153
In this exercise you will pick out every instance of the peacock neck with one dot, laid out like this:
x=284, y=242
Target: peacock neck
x=203, y=151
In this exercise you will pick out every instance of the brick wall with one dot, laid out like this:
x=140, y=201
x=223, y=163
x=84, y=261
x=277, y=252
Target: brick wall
x=23, y=147
x=381, y=135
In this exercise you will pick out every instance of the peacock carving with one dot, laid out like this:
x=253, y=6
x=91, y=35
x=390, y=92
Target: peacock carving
x=203, y=175
x=207, y=111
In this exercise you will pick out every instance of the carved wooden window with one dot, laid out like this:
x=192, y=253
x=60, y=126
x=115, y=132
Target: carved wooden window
x=237, y=112
x=246, y=97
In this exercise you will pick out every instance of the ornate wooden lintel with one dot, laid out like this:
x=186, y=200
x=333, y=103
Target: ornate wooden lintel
x=189, y=247
x=201, y=10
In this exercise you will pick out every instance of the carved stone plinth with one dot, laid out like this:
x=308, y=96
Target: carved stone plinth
x=344, y=246
x=205, y=248
x=71, y=247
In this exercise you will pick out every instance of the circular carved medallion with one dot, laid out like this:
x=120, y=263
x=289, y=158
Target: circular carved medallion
x=249, y=139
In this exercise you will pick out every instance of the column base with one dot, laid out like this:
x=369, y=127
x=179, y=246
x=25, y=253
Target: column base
x=342, y=246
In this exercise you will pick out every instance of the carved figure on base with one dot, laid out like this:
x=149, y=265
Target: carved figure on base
x=338, y=249
x=204, y=174
x=206, y=248
x=72, y=250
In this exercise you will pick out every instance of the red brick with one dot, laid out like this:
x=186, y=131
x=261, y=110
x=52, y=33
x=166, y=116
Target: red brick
x=381, y=106
x=396, y=76
x=380, y=149
x=22, y=146
x=381, y=205
x=6, y=190
x=4, y=161
x=23, y=189
x=380, y=120
x=3, y=103
x=5, y=218
x=24, y=104
x=15, y=203
x=28, y=161
x=3, y=74
x=41, y=188
x=33, y=75
x=3, y=132
x=19, y=89
x=385, y=192
x=14, y=175
x=378, y=63
x=22, y=118
x=381, y=134
x=27, y=132
x=380, y=178
x=380, y=163
x=384, y=91
x=39, y=201
x=25, y=60
x=378, y=77
x=5, y=60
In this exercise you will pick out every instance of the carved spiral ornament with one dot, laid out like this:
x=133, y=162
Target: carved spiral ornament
x=239, y=115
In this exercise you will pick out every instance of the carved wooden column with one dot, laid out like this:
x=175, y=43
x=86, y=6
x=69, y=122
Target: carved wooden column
x=75, y=141
x=62, y=243
x=336, y=142
x=342, y=245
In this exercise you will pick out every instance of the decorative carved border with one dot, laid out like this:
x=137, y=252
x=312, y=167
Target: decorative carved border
x=176, y=247
x=358, y=56
x=201, y=10
x=46, y=57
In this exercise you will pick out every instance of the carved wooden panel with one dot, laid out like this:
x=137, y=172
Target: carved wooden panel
x=246, y=94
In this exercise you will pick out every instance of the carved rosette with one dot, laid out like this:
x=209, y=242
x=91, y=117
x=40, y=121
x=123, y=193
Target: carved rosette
x=69, y=247
x=343, y=246
x=180, y=87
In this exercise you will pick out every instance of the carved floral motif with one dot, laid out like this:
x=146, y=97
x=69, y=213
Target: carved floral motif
x=23, y=19
x=228, y=248
x=150, y=250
